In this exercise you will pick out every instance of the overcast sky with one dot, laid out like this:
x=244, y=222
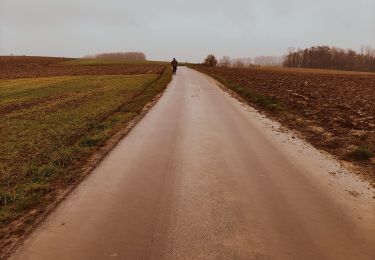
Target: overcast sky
x=186, y=29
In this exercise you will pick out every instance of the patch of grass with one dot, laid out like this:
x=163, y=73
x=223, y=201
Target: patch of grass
x=362, y=153
x=334, y=143
x=6, y=197
x=49, y=126
x=42, y=173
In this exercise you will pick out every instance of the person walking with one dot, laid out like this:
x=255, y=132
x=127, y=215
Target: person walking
x=174, y=66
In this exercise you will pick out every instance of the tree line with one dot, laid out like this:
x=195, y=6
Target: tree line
x=131, y=56
x=226, y=61
x=325, y=57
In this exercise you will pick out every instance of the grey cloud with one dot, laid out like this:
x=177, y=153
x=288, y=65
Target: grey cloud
x=188, y=29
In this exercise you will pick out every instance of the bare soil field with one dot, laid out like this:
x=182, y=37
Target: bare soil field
x=334, y=111
x=32, y=67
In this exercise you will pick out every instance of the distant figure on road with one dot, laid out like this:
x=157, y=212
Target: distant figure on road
x=174, y=65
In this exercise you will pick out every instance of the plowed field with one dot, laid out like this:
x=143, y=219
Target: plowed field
x=335, y=111
x=32, y=67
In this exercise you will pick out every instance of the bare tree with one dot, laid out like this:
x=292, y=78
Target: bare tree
x=210, y=60
x=268, y=60
x=224, y=61
x=241, y=62
x=238, y=63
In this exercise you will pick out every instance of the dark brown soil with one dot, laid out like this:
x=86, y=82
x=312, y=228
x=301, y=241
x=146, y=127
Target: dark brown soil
x=31, y=67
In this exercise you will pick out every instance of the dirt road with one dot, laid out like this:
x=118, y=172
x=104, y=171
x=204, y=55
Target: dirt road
x=204, y=177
